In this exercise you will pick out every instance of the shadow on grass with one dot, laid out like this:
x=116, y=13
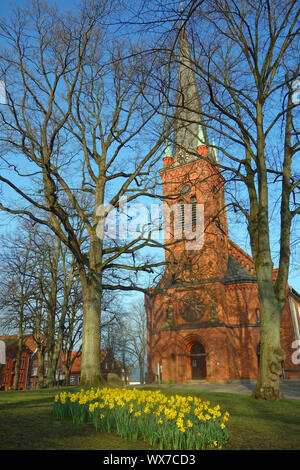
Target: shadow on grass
x=24, y=404
x=30, y=398
x=41, y=430
x=28, y=423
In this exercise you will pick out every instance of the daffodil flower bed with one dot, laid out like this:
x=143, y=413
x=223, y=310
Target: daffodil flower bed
x=175, y=422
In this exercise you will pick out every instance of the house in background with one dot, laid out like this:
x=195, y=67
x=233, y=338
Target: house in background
x=29, y=366
x=8, y=370
x=108, y=365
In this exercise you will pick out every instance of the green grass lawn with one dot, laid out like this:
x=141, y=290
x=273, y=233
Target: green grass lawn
x=27, y=423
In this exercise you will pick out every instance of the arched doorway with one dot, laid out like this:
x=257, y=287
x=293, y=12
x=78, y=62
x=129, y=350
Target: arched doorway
x=198, y=361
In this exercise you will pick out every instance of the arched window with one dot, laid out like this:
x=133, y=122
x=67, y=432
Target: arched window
x=197, y=349
x=172, y=224
x=194, y=211
x=257, y=315
x=181, y=215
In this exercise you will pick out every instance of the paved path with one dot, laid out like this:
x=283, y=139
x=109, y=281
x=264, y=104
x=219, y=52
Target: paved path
x=289, y=388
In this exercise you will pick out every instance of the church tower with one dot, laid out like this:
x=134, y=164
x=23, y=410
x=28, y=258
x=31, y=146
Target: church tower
x=203, y=317
x=196, y=231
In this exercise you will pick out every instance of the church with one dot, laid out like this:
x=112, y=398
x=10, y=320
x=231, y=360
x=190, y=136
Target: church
x=203, y=318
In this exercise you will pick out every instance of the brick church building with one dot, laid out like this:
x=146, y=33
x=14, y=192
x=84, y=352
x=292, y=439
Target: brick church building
x=203, y=318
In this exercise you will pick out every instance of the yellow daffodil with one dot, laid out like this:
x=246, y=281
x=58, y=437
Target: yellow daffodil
x=171, y=413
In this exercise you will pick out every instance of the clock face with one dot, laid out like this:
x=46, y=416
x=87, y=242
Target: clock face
x=185, y=190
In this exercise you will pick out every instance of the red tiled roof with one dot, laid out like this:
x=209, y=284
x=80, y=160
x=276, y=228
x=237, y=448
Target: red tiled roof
x=76, y=366
x=28, y=341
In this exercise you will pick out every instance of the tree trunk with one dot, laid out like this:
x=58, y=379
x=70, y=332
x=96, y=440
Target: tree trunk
x=142, y=368
x=90, y=363
x=51, y=379
x=52, y=359
x=41, y=367
x=39, y=341
x=67, y=375
x=271, y=353
x=18, y=359
x=142, y=379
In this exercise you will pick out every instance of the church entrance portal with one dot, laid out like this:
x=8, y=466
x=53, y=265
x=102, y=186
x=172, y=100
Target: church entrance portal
x=198, y=361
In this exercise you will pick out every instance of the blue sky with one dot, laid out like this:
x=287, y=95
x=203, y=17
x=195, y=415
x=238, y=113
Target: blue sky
x=7, y=5
x=238, y=230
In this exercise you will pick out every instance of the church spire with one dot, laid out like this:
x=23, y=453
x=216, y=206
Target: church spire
x=188, y=127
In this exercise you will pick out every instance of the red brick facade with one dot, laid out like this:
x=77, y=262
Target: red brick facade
x=205, y=321
x=203, y=318
x=29, y=366
x=8, y=370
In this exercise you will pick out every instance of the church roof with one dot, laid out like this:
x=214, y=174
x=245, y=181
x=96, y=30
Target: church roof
x=235, y=273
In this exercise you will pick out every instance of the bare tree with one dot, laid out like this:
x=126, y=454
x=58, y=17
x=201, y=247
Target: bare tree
x=76, y=123
x=246, y=58
x=40, y=295
x=17, y=283
x=136, y=333
x=125, y=336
